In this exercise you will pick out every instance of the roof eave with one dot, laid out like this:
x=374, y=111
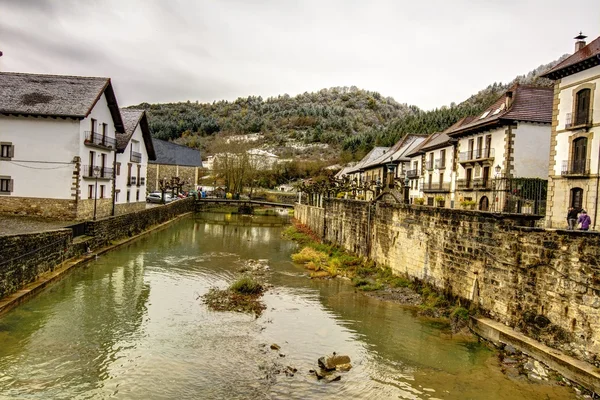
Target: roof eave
x=573, y=68
x=477, y=128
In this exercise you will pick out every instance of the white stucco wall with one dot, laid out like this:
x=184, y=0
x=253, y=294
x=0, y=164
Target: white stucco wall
x=531, y=150
x=44, y=149
x=101, y=113
x=125, y=158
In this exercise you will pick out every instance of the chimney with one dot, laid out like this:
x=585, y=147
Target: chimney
x=580, y=41
x=509, y=97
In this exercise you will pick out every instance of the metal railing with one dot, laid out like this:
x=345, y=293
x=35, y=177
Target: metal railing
x=440, y=163
x=412, y=173
x=474, y=184
x=580, y=119
x=96, y=139
x=136, y=157
x=575, y=167
x=103, y=173
x=430, y=187
x=477, y=154
x=429, y=165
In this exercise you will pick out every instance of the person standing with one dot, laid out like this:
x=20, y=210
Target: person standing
x=572, y=218
x=585, y=221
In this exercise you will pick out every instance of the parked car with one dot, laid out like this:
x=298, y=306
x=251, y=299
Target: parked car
x=156, y=197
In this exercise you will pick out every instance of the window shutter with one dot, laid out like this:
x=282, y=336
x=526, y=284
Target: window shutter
x=11, y=151
x=10, y=185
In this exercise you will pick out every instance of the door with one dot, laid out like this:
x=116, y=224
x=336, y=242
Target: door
x=484, y=204
x=480, y=147
x=486, y=176
x=471, y=145
x=582, y=107
x=488, y=146
x=469, y=178
x=578, y=160
x=576, y=198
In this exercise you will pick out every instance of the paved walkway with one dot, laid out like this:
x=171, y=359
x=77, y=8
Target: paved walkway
x=12, y=225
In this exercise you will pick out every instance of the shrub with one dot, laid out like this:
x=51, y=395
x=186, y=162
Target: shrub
x=308, y=254
x=459, y=313
x=246, y=285
x=419, y=201
x=371, y=287
x=399, y=281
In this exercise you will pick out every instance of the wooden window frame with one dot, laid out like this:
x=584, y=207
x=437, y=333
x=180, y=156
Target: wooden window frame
x=7, y=151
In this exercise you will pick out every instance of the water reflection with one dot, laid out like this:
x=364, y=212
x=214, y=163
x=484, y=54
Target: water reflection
x=130, y=325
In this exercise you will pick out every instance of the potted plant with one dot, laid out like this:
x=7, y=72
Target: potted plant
x=440, y=201
x=419, y=201
x=468, y=204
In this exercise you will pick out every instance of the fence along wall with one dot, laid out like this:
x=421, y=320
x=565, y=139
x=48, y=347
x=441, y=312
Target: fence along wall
x=545, y=282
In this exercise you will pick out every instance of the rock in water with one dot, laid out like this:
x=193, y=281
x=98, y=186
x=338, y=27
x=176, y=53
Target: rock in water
x=275, y=347
x=343, y=367
x=330, y=363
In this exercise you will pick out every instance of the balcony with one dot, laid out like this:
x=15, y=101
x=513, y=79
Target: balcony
x=440, y=163
x=429, y=165
x=412, y=173
x=579, y=120
x=433, y=187
x=136, y=157
x=104, y=173
x=471, y=156
x=95, y=139
x=474, y=184
x=575, y=168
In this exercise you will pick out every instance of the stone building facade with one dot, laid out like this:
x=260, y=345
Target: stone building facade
x=173, y=160
x=574, y=171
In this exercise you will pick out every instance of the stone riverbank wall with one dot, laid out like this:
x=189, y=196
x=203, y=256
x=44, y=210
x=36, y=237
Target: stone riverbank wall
x=23, y=258
x=545, y=283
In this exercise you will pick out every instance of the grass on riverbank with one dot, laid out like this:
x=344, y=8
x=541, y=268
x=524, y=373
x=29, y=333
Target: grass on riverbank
x=326, y=260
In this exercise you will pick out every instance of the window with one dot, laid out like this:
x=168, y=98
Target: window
x=137, y=195
x=104, y=129
x=471, y=146
x=469, y=178
x=102, y=165
x=94, y=126
x=90, y=191
x=479, y=146
x=443, y=158
x=579, y=156
x=118, y=172
x=582, y=107
x=430, y=201
x=128, y=196
x=128, y=175
x=139, y=170
x=576, y=198
x=6, y=185
x=485, y=114
x=6, y=150
x=102, y=188
x=117, y=196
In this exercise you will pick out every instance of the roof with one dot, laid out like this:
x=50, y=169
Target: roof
x=55, y=96
x=525, y=103
x=174, y=154
x=375, y=153
x=131, y=119
x=585, y=58
x=401, y=150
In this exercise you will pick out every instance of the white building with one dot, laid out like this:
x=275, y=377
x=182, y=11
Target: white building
x=58, y=140
x=510, y=139
x=134, y=150
x=574, y=171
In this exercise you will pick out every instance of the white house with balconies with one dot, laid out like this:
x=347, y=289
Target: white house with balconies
x=510, y=139
x=134, y=150
x=574, y=173
x=58, y=143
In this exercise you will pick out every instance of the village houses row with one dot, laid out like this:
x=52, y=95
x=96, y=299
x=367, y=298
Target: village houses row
x=68, y=151
x=501, y=159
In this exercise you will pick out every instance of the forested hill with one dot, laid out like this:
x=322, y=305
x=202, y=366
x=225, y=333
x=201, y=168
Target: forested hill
x=339, y=118
x=327, y=116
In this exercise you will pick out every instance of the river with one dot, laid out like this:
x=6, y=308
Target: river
x=130, y=325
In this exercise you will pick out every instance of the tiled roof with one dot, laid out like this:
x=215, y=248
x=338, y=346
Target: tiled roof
x=175, y=154
x=55, y=95
x=528, y=104
x=587, y=57
x=131, y=119
x=375, y=153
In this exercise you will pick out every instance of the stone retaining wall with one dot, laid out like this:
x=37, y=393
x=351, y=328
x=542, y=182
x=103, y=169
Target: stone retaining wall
x=55, y=208
x=525, y=277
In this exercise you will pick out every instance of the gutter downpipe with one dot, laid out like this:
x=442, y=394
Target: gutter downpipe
x=114, y=185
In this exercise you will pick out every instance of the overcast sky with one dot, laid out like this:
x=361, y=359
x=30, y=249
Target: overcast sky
x=423, y=52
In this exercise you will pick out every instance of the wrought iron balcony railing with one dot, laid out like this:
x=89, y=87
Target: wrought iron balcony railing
x=579, y=120
x=96, y=139
x=435, y=187
x=575, y=167
x=474, y=184
x=440, y=163
x=103, y=173
x=475, y=155
x=412, y=173
x=429, y=165
x=136, y=157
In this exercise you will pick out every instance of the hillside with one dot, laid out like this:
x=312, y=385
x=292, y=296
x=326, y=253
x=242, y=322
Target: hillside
x=322, y=123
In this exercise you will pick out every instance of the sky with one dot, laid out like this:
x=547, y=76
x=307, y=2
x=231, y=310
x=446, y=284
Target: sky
x=428, y=53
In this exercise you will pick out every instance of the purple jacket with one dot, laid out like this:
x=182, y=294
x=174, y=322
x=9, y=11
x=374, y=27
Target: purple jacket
x=585, y=221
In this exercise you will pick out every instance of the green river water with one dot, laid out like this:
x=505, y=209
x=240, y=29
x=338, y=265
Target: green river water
x=130, y=325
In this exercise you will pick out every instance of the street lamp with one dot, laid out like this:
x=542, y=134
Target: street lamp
x=390, y=170
x=498, y=169
x=96, y=173
x=406, y=187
